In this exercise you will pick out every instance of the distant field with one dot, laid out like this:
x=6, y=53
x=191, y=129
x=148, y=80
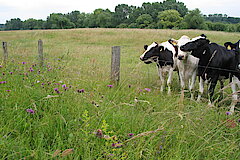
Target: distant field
x=72, y=99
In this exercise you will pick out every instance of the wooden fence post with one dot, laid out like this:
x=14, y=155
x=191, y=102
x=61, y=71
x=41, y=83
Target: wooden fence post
x=5, y=53
x=40, y=52
x=115, y=64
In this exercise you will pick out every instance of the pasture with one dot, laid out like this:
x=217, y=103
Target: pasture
x=69, y=109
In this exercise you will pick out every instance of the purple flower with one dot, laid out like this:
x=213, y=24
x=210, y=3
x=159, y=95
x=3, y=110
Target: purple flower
x=239, y=120
x=228, y=113
x=42, y=84
x=117, y=145
x=23, y=62
x=3, y=73
x=8, y=90
x=110, y=85
x=3, y=82
x=10, y=72
x=30, y=111
x=56, y=89
x=130, y=134
x=64, y=85
x=80, y=90
x=1, y=66
x=147, y=89
x=30, y=69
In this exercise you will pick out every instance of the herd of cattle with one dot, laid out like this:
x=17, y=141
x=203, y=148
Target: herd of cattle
x=196, y=57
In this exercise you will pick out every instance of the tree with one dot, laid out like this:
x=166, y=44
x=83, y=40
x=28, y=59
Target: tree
x=173, y=4
x=144, y=21
x=33, y=24
x=194, y=19
x=58, y=21
x=104, y=18
x=121, y=14
x=14, y=24
x=169, y=18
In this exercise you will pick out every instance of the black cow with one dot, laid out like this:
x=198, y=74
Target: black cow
x=215, y=61
x=235, y=82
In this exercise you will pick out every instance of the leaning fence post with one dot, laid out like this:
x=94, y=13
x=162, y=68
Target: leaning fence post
x=40, y=52
x=115, y=64
x=5, y=53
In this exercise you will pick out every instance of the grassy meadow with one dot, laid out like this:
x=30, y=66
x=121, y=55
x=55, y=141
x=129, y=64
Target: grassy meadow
x=69, y=108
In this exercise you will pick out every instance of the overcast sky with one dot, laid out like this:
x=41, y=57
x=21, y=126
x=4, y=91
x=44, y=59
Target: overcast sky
x=40, y=9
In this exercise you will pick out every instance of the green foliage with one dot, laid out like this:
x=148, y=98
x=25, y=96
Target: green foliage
x=144, y=20
x=125, y=16
x=14, y=24
x=194, y=19
x=169, y=19
x=65, y=122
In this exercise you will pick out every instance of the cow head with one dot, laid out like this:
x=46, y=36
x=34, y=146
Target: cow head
x=151, y=53
x=196, y=43
x=181, y=55
x=233, y=46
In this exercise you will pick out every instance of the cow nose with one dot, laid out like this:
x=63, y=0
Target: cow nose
x=141, y=58
x=180, y=57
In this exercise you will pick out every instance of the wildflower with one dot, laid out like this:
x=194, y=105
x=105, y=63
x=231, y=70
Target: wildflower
x=3, y=82
x=11, y=73
x=230, y=123
x=8, y=90
x=228, y=113
x=239, y=120
x=117, y=145
x=56, y=89
x=99, y=133
x=129, y=86
x=3, y=73
x=80, y=90
x=23, y=62
x=64, y=85
x=110, y=85
x=30, y=111
x=130, y=134
x=66, y=88
x=1, y=66
x=147, y=89
x=30, y=69
x=43, y=84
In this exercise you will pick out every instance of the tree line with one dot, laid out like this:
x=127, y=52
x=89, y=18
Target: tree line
x=158, y=15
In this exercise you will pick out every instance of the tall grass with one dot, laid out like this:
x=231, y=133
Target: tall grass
x=77, y=115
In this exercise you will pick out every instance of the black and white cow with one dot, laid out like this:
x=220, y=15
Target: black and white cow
x=215, y=62
x=163, y=55
x=235, y=82
x=187, y=65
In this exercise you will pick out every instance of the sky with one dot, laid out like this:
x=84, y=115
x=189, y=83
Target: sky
x=40, y=9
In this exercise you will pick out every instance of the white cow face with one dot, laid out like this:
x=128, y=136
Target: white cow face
x=151, y=53
x=181, y=55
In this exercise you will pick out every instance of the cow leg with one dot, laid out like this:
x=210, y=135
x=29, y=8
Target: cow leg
x=212, y=87
x=169, y=81
x=192, y=84
x=182, y=82
x=201, y=88
x=234, y=84
x=162, y=80
x=222, y=86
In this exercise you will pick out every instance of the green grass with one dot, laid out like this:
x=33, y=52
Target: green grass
x=69, y=119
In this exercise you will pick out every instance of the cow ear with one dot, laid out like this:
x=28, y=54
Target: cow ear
x=145, y=47
x=203, y=35
x=173, y=42
x=161, y=48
